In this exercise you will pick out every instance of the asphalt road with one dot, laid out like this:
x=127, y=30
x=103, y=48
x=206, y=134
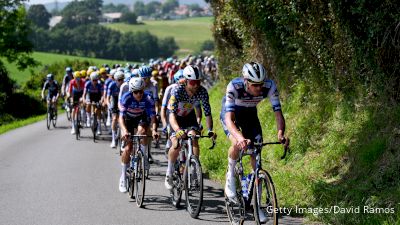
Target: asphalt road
x=48, y=177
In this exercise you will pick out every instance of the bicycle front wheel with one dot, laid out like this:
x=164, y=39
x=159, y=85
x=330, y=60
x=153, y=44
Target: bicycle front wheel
x=54, y=118
x=77, y=125
x=193, y=186
x=236, y=208
x=48, y=119
x=94, y=127
x=264, y=198
x=140, y=179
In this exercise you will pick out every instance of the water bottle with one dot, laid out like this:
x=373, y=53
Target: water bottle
x=244, y=184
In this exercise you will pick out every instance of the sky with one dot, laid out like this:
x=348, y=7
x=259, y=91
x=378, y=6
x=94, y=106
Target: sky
x=32, y=2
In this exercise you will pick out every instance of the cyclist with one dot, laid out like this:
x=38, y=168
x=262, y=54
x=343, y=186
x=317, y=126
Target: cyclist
x=239, y=111
x=64, y=87
x=53, y=91
x=182, y=117
x=75, y=92
x=112, y=99
x=152, y=88
x=93, y=94
x=136, y=111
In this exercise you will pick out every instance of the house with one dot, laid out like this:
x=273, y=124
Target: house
x=54, y=20
x=111, y=17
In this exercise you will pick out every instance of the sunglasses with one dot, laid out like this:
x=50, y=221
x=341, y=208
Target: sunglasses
x=138, y=92
x=194, y=82
x=256, y=84
x=120, y=80
x=95, y=80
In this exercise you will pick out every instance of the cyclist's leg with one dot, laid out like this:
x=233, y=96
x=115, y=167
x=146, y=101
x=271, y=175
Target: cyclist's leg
x=126, y=156
x=88, y=110
x=172, y=156
x=98, y=114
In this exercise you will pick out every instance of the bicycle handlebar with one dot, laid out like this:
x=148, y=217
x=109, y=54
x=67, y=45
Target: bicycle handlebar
x=202, y=136
x=286, y=148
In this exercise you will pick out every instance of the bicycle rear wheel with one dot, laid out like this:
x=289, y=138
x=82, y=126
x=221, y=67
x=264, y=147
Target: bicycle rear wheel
x=264, y=198
x=193, y=186
x=176, y=192
x=130, y=180
x=140, y=179
x=236, y=208
x=77, y=125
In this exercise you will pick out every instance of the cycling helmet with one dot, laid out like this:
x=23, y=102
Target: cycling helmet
x=254, y=72
x=83, y=73
x=135, y=72
x=102, y=71
x=105, y=65
x=145, y=71
x=136, y=83
x=77, y=74
x=192, y=73
x=127, y=75
x=178, y=75
x=68, y=70
x=119, y=75
x=154, y=73
x=112, y=72
x=94, y=76
x=108, y=70
x=50, y=76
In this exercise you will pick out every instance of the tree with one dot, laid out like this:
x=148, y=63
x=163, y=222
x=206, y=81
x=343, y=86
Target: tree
x=169, y=5
x=79, y=13
x=152, y=7
x=14, y=43
x=129, y=18
x=39, y=16
x=207, y=45
x=139, y=8
x=167, y=46
x=195, y=7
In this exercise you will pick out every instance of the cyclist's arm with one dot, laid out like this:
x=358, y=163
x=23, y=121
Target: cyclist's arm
x=173, y=122
x=63, y=85
x=199, y=113
x=280, y=123
x=44, y=88
x=124, y=130
x=58, y=91
x=231, y=126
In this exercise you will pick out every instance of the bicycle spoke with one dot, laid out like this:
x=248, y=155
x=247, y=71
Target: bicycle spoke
x=194, y=187
x=264, y=199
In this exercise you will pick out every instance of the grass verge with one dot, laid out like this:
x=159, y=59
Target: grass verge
x=20, y=123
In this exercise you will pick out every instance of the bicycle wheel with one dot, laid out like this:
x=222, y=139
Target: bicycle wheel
x=147, y=171
x=48, y=118
x=118, y=140
x=54, y=117
x=193, y=186
x=78, y=125
x=176, y=192
x=140, y=180
x=94, y=127
x=130, y=180
x=236, y=208
x=264, y=198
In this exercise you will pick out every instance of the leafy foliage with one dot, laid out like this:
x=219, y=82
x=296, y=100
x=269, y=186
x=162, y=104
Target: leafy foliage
x=129, y=18
x=39, y=16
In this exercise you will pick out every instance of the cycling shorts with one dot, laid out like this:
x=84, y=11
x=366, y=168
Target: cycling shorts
x=188, y=122
x=132, y=123
x=95, y=97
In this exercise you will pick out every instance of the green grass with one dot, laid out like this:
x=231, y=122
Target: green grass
x=21, y=123
x=189, y=33
x=47, y=59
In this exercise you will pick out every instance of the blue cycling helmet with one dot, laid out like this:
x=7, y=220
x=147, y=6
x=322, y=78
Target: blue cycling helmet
x=128, y=75
x=144, y=72
x=178, y=75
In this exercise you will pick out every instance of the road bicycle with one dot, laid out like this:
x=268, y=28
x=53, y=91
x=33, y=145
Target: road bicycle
x=136, y=173
x=93, y=119
x=78, y=121
x=256, y=188
x=51, y=115
x=68, y=109
x=188, y=177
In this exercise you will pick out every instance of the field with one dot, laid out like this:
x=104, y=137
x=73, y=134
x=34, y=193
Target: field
x=46, y=59
x=189, y=33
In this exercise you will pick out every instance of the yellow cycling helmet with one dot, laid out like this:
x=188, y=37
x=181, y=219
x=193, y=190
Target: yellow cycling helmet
x=102, y=71
x=83, y=73
x=154, y=73
x=77, y=74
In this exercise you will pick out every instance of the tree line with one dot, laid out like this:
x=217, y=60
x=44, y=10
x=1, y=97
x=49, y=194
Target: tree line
x=79, y=33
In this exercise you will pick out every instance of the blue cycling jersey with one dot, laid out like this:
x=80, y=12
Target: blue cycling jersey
x=113, y=89
x=93, y=89
x=129, y=107
x=52, y=87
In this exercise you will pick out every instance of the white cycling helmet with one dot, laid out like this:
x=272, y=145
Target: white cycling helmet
x=94, y=76
x=112, y=72
x=192, y=73
x=135, y=72
x=254, y=72
x=119, y=75
x=136, y=83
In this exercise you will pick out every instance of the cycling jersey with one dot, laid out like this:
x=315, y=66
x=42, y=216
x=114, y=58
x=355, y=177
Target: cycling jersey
x=122, y=90
x=113, y=91
x=131, y=108
x=52, y=87
x=244, y=105
x=76, y=87
x=181, y=104
x=67, y=78
x=167, y=95
x=152, y=89
x=93, y=92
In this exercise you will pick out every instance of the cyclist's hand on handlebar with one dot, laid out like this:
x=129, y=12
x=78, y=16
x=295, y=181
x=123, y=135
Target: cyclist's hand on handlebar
x=242, y=143
x=285, y=141
x=180, y=134
x=124, y=134
x=212, y=134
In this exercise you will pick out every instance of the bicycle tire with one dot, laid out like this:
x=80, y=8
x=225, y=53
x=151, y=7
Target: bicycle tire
x=68, y=111
x=77, y=125
x=48, y=119
x=130, y=180
x=94, y=127
x=267, y=202
x=140, y=180
x=193, y=186
x=54, y=117
x=236, y=210
x=176, y=192
x=118, y=140
x=147, y=172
